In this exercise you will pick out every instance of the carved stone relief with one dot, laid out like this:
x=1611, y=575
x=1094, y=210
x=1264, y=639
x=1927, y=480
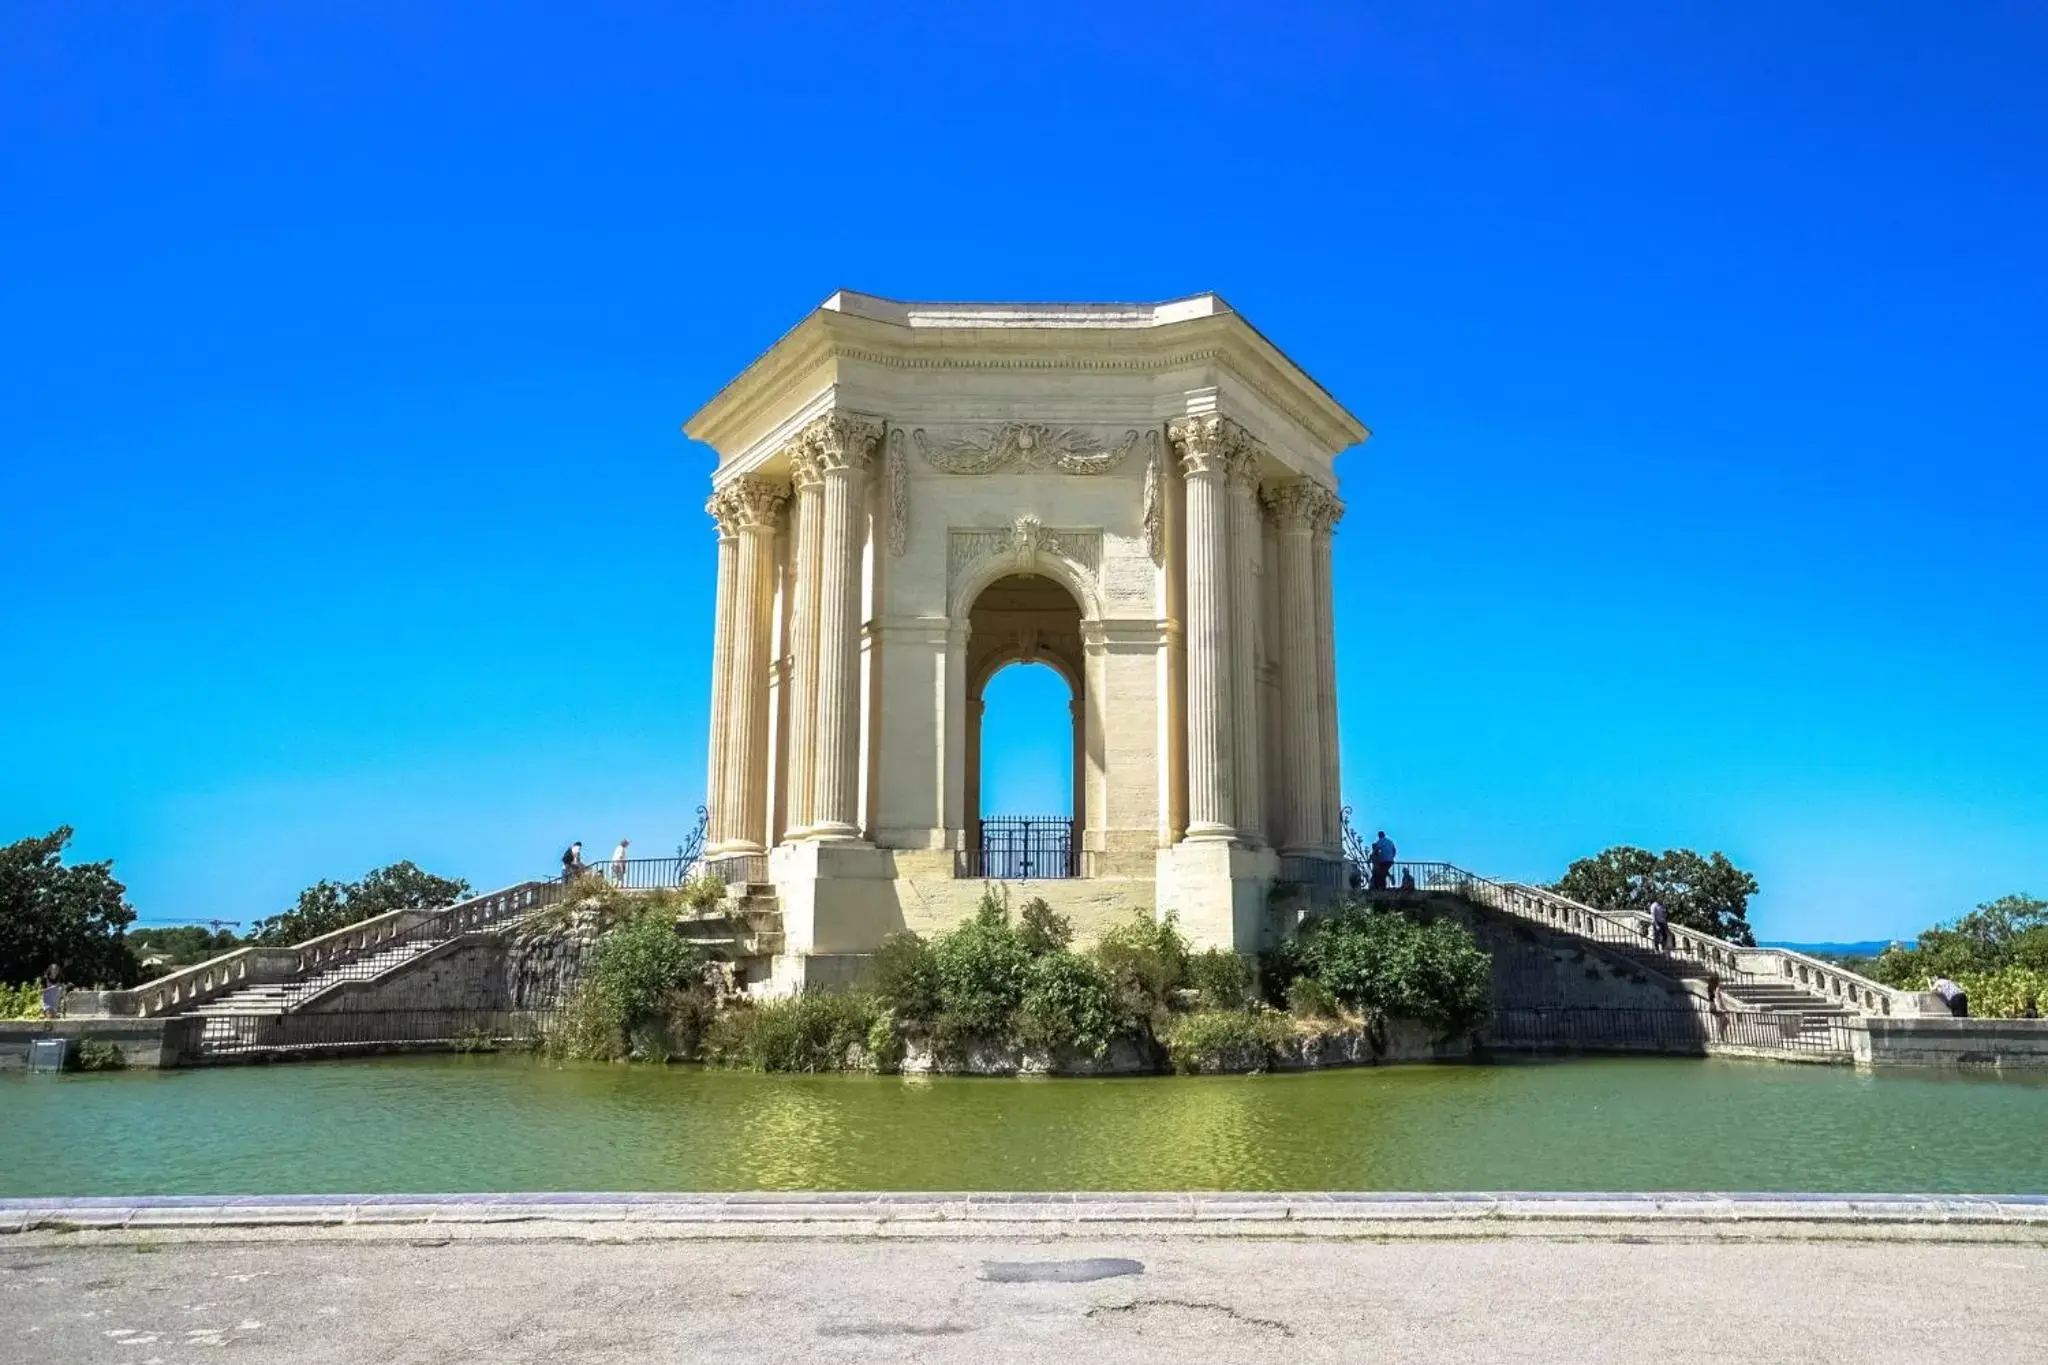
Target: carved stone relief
x=1033, y=446
x=899, y=493
x=1024, y=543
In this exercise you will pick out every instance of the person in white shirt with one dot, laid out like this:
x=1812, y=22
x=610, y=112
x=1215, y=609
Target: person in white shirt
x=619, y=862
x=1952, y=995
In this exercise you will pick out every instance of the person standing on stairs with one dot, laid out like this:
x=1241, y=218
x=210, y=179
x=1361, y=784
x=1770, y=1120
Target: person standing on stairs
x=572, y=861
x=1382, y=861
x=1660, y=927
x=619, y=863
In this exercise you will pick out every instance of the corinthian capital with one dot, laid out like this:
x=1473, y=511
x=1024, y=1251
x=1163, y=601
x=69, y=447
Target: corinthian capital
x=1212, y=444
x=747, y=502
x=1302, y=505
x=1328, y=512
x=839, y=440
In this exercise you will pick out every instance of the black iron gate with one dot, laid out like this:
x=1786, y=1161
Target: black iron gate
x=1017, y=847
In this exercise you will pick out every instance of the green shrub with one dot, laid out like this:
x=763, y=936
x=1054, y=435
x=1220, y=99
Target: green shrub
x=701, y=892
x=587, y=1027
x=1235, y=1040
x=642, y=993
x=1221, y=978
x=2002, y=994
x=885, y=1043
x=1146, y=961
x=21, y=1002
x=1308, y=998
x=97, y=1054
x=803, y=1033
x=641, y=959
x=1384, y=965
x=981, y=971
x=1042, y=930
x=904, y=976
x=1068, y=1004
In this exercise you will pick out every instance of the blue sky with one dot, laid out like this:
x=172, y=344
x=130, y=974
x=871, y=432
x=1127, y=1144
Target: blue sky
x=349, y=519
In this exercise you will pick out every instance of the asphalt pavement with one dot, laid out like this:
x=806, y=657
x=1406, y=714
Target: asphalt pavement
x=422, y=1294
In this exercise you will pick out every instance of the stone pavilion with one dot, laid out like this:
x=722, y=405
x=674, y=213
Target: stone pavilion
x=911, y=496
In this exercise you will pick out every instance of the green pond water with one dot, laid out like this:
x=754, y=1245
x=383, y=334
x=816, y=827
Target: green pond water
x=451, y=1124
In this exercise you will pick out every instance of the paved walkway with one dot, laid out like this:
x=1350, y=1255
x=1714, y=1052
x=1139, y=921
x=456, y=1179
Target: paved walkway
x=551, y=1292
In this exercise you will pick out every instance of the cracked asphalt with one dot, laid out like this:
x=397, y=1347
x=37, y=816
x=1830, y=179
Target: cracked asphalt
x=426, y=1297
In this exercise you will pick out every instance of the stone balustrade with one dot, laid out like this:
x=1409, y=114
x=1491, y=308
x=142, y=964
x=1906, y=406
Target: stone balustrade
x=195, y=985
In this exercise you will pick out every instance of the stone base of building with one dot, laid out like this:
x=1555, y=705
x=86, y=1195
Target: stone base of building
x=838, y=901
x=1220, y=889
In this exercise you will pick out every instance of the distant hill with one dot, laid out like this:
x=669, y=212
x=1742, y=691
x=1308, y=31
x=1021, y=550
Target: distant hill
x=1867, y=948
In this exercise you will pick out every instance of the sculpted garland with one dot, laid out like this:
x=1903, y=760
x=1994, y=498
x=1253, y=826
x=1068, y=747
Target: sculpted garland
x=1030, y=445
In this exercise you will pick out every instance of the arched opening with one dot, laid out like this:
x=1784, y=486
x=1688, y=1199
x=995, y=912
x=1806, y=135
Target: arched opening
x=1025, y=790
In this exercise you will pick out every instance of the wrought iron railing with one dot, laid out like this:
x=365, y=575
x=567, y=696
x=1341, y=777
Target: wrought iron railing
x=315, y=1031
x=1594, y=1028
x=1026, y=847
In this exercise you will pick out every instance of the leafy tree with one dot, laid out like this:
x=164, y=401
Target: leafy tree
x=2011, y=931
x=327, y=906
x=183, y=944
x=1708, y=894
x=74, y=916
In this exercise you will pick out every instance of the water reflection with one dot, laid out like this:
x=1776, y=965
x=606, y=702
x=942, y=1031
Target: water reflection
x=485, y=1123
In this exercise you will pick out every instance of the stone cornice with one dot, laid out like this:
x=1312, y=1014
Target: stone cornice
x=791, y=369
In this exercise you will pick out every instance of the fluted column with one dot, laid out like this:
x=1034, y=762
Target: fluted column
x=717, y=801
x=750, y=507
x=1245, y=692
x=1328, y=513
x=1200, y=443
x=1299, y=823
x=806, y=528
x=843, y=446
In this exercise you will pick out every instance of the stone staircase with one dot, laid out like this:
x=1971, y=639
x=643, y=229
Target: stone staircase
x=745, y=930
x=1765, y=1000
x=224, y=1014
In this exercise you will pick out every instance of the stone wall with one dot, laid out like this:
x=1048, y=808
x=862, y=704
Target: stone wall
x=932, y=905
x=1987, y=1044
x=1555, y=990
x=144, y=1043
x=501, y=971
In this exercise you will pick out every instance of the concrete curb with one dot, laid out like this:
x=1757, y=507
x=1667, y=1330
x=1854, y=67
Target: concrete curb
x=851, y=1213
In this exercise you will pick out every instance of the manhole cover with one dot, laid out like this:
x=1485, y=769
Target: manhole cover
x=1060, y=1272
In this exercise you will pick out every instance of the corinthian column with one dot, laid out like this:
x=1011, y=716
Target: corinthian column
x=807, y=526
x=1200, y=443
x=1300, y=820
x=748, y=509
x=1246, y=731
x=717, y=805
x=1328, y=513
x=842, y=445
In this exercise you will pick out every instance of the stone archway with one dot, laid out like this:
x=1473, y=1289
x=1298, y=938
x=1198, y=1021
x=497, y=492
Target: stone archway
x=1024, y=618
